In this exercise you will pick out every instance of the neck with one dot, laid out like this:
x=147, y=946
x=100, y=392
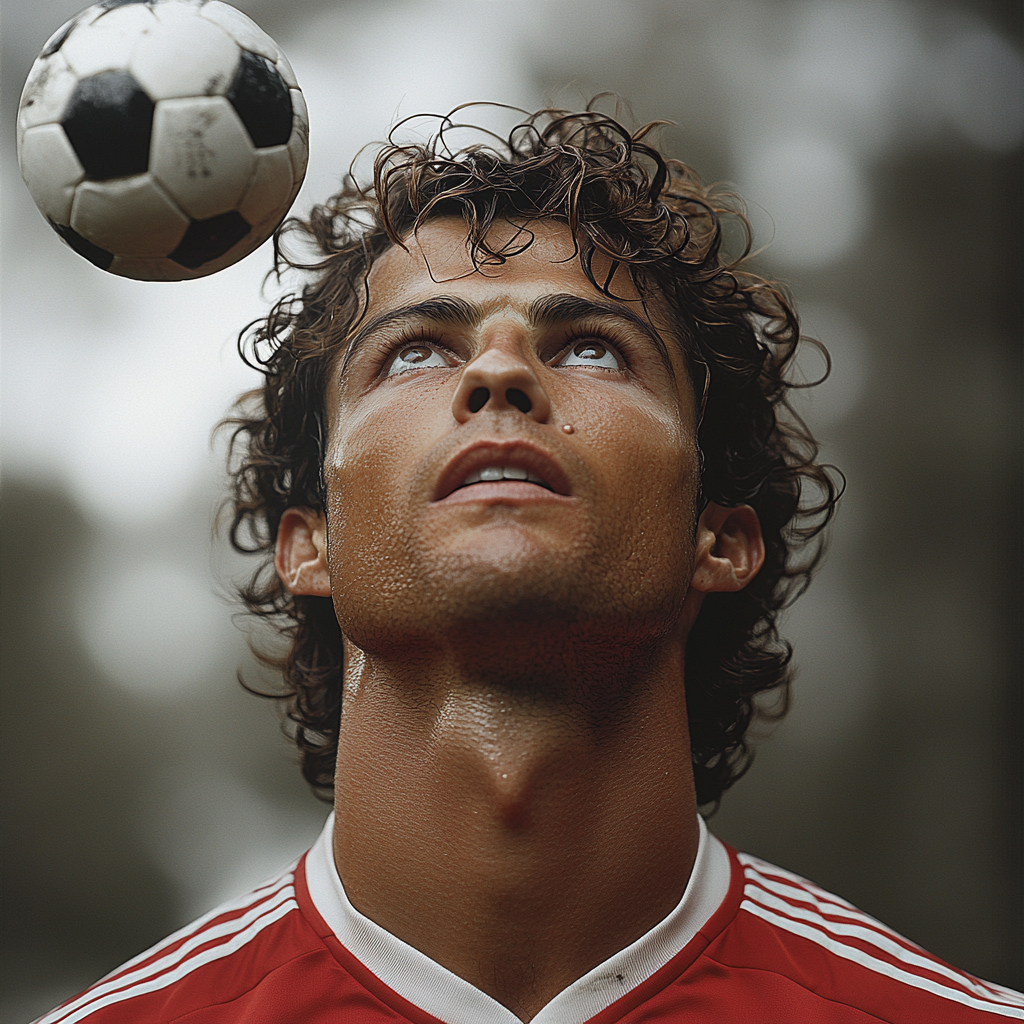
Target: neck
x=520, y=830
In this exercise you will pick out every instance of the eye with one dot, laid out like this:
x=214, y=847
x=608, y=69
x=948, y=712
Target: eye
x=590, y=353
x=414, y=357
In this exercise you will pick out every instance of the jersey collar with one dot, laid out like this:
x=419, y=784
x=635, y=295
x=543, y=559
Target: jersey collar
x=445, y=995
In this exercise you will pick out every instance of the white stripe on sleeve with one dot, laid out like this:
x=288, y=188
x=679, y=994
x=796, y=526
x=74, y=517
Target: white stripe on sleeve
x=858, y=956
x=208, y=955
x=260, y=901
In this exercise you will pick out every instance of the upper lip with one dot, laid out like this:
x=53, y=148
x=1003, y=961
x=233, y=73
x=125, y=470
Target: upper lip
x=520, y=454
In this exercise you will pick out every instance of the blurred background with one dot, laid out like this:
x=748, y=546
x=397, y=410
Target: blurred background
x=879, y=145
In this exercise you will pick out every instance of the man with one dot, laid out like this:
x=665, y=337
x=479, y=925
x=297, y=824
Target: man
x=522, y=466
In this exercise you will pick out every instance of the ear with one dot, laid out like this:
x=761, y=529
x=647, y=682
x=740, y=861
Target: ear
x=729, y=552
x=301, y=554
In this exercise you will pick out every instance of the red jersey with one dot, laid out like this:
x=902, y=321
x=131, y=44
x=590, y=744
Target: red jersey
x=750, y=942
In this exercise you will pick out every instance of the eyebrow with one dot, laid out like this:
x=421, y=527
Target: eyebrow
x=553, y=309
x=546, y=311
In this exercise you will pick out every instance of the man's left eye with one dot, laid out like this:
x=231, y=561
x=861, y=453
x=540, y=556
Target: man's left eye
x=415, y=357
x=590, y=353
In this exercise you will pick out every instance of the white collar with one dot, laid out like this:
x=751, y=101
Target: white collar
x=433, y=988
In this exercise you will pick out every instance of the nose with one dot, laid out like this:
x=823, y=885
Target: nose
x=500, y=379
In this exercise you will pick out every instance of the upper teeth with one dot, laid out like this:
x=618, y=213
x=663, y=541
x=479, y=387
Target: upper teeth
x=491, y=473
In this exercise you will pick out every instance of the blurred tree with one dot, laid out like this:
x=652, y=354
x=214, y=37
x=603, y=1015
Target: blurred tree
x=80, y=894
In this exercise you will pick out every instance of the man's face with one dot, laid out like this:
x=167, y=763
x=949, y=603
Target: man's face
x=524, y=373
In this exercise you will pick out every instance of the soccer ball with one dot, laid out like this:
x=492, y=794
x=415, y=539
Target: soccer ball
x=162, y=139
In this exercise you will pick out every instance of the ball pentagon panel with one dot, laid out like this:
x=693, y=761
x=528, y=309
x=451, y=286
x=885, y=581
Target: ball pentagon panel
x=108, y=119
x=263, y=101
x=244, y=246
x=241, y=28
x=209, y=239
x=129, y=217
x=51, y=170
x=107, y=42
x=202, y=154
x=185, y=58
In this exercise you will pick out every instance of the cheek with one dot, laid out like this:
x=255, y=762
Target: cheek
x=376, y=450
x=648, y=474
x=644, y=453
x=364, y=462
x=378, y=442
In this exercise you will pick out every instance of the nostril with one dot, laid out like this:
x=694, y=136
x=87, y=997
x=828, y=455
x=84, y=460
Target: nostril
x=478, y=399
x=519, y=399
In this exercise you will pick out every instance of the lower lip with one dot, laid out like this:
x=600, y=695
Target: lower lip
x=503, y=492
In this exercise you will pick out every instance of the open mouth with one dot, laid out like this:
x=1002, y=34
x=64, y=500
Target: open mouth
x=513, y=469
x=494, y=474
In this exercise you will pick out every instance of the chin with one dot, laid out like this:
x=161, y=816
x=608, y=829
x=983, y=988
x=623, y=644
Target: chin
x=508, y=546
x=507, y=576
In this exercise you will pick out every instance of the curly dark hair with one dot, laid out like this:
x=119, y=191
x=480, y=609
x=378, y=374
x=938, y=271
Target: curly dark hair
x=620, y=196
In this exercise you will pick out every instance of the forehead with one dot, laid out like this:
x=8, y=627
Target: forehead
x=438, y=261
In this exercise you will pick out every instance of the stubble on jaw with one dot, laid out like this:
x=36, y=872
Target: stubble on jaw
x=507, y=607
x=504, y=578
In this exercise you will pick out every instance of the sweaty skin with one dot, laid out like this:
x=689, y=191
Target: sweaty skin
x=514, y=792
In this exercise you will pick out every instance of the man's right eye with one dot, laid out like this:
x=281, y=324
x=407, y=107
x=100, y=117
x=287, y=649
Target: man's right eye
x=414, y=357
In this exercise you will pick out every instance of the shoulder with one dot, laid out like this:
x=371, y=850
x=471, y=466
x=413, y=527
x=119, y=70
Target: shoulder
x=813, y=947
x=230, y=952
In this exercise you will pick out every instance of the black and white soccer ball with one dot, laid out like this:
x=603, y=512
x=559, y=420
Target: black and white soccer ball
x=162, y=139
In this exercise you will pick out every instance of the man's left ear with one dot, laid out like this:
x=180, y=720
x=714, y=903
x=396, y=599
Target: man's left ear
x=729, y=551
